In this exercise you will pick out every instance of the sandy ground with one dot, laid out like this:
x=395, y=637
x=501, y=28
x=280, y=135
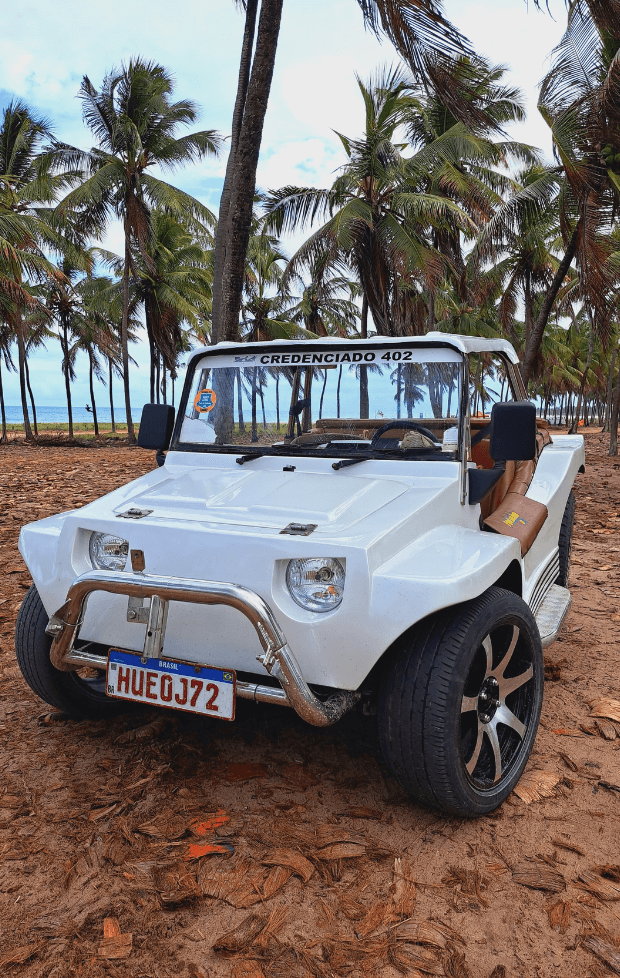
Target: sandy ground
x=323, y=856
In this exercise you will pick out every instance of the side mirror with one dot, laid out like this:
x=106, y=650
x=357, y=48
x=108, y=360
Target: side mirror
x=513, y=431
x=156, y=425
x=513, y=436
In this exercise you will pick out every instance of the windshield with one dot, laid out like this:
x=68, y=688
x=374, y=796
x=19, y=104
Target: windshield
x=334, y=401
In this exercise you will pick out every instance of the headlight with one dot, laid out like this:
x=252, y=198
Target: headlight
x=108, y=552
x=316, y=583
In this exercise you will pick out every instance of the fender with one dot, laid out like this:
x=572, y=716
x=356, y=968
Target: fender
x=446, y=566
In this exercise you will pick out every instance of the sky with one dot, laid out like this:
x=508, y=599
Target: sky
x=46, y=49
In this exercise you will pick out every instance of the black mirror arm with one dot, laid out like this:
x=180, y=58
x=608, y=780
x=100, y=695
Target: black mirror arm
x=160, y=458
x=481, y=481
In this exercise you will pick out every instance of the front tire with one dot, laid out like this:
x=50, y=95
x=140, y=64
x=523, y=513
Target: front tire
x=72, y=693
x=566, y=540
x=460, y=704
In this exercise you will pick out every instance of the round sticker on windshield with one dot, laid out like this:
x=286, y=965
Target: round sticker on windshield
x=205, y=400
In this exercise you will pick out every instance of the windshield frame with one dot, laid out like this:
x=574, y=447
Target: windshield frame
x=333, y=451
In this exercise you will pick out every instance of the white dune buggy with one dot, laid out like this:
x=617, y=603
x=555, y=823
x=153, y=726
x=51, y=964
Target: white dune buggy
x=336, y=522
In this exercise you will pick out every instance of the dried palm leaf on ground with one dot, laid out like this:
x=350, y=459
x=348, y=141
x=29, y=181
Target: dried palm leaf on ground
x=539, y=877
x=428, y=933
x=146, y=732
x=403, y=888
x=167, y=825
x=246, y=969
x=242, y=936
x=277, y=878
x=330, y=834
x=568, y=760
x=378, y=916
x=291, y=859
x=410, y=959
x=606, y=728
x=606, y=707
x=605, y=952
x=114, y=945
x=559, y=915
x=569, y=846
x=19, y=955
x=603, y=882
x=468, y=881
x=454, y=964
x=237, y=881
x=341, y=850
x=362, y=811
x=536, y=785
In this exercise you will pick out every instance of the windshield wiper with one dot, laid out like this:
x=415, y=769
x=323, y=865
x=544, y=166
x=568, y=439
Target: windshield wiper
x=248, y=458
x=342, y=464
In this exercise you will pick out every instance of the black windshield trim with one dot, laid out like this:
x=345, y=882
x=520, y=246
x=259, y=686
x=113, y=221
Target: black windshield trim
x=298, y=451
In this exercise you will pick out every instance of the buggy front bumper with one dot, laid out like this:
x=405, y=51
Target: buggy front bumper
x=277, y=657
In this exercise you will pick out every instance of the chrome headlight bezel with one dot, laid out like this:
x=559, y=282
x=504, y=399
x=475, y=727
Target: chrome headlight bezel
x=107, y=551
x=316, y=583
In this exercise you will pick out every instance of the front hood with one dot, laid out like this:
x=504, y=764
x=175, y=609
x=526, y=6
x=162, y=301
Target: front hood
x=268, y=498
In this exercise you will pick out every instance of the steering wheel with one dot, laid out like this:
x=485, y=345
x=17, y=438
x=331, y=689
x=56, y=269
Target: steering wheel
x=404, y=423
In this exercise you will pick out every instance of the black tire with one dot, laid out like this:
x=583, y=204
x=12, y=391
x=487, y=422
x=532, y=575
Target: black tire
x=69, y=692
x=434, y=696
x=566, y=540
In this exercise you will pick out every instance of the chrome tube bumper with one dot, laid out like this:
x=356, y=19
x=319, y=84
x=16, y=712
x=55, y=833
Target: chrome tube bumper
x=277, y=657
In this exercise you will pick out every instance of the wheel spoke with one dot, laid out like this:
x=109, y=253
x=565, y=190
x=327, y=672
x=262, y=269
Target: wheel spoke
x=507, y=686
x=500, y=669
x=488, y=648
x=473, y=760
x=491, y=733
x=469, y=703
x=507, y=717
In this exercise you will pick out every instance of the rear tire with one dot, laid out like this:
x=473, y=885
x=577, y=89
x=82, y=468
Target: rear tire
x=566, y=540
x=79, y=697
x=460, y=704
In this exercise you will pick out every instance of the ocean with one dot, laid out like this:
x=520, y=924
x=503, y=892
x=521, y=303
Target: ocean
x=59, y=415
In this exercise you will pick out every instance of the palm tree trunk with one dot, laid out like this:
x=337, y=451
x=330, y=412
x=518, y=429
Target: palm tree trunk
x=31, y=396
x=111, y=397
x=221, y=233
x=2, y=407
x=610, y=387
x=131, y=437
x=92, y=392
x=240, y=402
x=21, y=354
x=278, y=401
x=254, y=429
x=64, y=345
x=613, y=425
x=245, y=163
x=322, y=394
x=534, y=344
x=364, y=405
x=573, y=428
x=338, y=392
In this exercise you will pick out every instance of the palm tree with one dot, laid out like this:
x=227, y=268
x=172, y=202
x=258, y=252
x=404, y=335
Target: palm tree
x=418, y=31
x=382, y=214
x=136, y=123
x=33, y=172
x=173, y=281
x=580, y=100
